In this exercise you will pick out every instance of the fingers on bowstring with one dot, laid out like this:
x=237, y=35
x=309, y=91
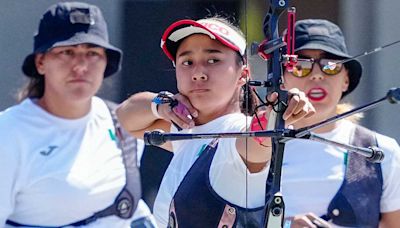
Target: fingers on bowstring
x=182, y=112
x=188, y=109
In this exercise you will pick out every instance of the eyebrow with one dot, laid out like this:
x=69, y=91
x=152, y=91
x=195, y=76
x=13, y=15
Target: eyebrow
x=209, y=51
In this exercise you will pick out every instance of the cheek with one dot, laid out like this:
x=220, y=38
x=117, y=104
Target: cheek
x=182, y=81
x=345, y=82
x=291, y=82
x=99, y=67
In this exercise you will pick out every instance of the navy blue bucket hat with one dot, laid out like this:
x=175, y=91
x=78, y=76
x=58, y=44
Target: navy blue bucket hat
x=72, y=23
x=326, y=36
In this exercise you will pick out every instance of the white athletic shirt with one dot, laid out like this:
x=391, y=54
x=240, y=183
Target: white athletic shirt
x=228, y=173
x=312, y=176
x=57, y=171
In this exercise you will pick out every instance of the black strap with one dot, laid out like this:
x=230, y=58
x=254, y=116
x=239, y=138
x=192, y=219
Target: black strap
x=127, y=200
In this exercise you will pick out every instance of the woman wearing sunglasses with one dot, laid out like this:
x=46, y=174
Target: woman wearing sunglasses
x=324, y=183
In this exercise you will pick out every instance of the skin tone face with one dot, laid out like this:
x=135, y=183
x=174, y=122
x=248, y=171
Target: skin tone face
x=73, y=74
x=208, y=75
x=324, y=91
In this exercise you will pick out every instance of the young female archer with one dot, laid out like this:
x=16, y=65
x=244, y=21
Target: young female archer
x=208, y=182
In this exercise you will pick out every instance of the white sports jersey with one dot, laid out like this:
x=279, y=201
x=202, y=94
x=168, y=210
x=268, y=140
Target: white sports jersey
x=228, y=173
x=312, y=176
x=57, y=171
x=312, y=172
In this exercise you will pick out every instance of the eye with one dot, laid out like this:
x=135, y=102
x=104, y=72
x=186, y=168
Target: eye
x=93, y=53
x=212, y=61
x=187, y=63
x=68, y=52
x=96, y=51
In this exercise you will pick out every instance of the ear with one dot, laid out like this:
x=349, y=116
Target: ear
x=39, y=63
x=244, y=75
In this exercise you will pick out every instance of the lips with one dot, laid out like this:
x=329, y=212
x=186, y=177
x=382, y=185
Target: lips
x=317, y=94
x=199, y=90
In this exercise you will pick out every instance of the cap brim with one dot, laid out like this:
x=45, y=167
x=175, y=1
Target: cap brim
x=184, y=28
x=114, y=55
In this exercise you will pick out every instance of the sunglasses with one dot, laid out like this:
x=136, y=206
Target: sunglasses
x=304, y=67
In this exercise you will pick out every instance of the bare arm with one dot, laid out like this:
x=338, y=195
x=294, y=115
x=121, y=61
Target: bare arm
x=135, y=112
x=390, y=219
x=136, y=117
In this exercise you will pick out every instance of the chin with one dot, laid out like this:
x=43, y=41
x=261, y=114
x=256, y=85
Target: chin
x=82, y=95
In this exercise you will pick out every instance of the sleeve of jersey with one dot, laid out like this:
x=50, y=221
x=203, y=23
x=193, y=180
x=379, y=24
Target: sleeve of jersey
x=390, y=200
x=8, y=176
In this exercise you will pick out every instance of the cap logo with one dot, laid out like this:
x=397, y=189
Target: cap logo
x=81, y=16
x=215, y=27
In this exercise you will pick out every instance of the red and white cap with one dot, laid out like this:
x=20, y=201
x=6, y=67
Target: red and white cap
x=213, y=28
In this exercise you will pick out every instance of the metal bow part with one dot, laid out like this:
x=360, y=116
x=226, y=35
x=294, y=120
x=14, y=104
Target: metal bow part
x=271, y=51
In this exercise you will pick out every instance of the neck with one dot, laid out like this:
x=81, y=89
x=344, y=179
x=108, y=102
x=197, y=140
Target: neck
x=206, y=115
x=65, y=109
x=316, y=119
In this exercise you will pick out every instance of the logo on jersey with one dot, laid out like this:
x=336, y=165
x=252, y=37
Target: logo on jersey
x=48, y=151
x=112, y=135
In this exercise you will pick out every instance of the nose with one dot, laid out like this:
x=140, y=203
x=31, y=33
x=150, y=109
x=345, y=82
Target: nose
x=199, y=77
x=81, y=64
x=316, y=74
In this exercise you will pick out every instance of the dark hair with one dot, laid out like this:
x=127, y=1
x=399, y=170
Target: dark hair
x=249, y=100
x=34, y=88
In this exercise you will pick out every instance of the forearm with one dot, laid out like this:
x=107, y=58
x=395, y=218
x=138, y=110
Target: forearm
x=253, y=154
x=135, y=113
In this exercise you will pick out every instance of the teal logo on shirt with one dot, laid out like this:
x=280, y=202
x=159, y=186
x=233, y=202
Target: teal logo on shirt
x=112, y=135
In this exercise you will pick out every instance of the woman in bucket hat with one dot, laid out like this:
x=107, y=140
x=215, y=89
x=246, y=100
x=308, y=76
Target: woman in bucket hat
x=61, y=160
x=322, y=182
x=205, y=183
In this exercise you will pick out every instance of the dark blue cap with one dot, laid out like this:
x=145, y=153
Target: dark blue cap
x=72, y=23
x=326, y=36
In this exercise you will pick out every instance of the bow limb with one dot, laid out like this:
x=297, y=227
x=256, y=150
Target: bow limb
x=274, y=208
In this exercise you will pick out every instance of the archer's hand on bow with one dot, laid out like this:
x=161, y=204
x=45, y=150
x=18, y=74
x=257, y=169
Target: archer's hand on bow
x=298, y=108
